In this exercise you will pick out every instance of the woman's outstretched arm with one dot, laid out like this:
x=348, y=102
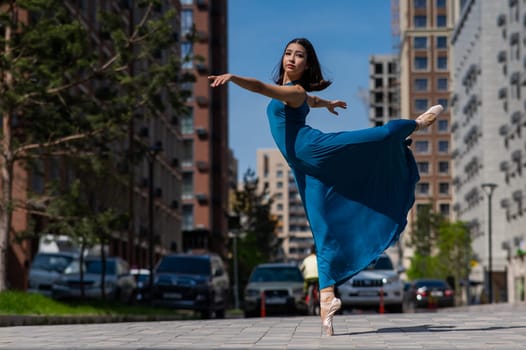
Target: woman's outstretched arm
x=293, y=95
x=315, y=101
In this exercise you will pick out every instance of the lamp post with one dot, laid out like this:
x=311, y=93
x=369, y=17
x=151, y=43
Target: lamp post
x=153, y=151
x=489, y=188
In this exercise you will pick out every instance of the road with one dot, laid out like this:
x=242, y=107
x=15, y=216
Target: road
x=498, y=326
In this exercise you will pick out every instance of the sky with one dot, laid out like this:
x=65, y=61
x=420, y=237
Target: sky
x=345, y=33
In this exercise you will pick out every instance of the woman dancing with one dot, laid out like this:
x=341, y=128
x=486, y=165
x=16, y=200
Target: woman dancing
x=356, y=186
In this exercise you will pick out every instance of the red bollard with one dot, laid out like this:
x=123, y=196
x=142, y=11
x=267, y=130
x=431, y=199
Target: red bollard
x=382, y=308
x=263, y=311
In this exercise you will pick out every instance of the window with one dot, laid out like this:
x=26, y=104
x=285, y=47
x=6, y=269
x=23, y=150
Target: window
x=420, y=21
x=441, y=42
x=187, y=21
x=443, y=125
x=378, y=68
x=420, y=4
x=444, y=102
x=441, y=4
x=444, y=209
x=421, y=84
x=442, y=62
x=279, y=184
x=420, y=63
x=443, y=167
x=422, y=146
x=187, y=55
x=423, y=167
x=188, y=186
x=443, y=188
x=442, y=84
x=188, y=217
x=188, y=153
x=279, y=173
x=420, y=42
x=443, y=146
x=279, y=206
x=422, y=188
x=441, y=21
x=187, y=2
x=420, y=104
x=187, y=122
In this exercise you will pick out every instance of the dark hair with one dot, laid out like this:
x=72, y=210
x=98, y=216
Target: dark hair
x=312, y=78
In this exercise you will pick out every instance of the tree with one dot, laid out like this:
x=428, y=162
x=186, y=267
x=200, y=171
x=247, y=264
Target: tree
x=62, y=95
x=258, y=242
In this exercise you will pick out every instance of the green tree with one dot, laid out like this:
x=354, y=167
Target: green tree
x=258, y=242
x=454, y=251
x=62, y=95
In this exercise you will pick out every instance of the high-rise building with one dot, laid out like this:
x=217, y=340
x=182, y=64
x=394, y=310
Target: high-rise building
x=205, y=133
x=383, y=89
x=425, y=62
x=488, y=114
x=293, y=228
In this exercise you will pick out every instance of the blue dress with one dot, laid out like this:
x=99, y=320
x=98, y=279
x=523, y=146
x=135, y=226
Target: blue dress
x=356, y=186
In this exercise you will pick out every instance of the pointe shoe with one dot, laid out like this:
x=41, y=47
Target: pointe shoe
x=327, y=328
x=427, y=118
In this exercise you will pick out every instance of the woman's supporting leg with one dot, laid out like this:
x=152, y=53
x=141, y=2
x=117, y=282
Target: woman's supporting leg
x=329, y=305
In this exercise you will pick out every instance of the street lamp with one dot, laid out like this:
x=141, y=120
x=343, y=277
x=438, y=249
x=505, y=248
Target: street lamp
x=153, y=151
x=489, y=188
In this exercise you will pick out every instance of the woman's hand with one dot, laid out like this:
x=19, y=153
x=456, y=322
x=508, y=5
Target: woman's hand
x=336, y=103
x=216, y=80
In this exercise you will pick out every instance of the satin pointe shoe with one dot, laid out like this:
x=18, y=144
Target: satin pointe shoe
x=427, y=118
x=327, y=328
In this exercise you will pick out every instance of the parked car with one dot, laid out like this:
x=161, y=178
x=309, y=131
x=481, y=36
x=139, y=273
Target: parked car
x=119, y=283
x=47, y=268
x=142, y=278
x=431, y=293
x=281, y=284
x=192, y=282
x=379, y=282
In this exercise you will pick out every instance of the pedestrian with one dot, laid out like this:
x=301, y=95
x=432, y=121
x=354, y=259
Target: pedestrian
x=356, y=186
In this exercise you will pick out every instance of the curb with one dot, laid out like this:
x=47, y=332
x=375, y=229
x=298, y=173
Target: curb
x=36, y=320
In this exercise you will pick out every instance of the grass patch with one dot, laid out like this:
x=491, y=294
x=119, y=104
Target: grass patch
x=22, y=303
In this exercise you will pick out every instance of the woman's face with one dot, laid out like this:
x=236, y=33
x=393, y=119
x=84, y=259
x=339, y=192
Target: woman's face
x=294, y=61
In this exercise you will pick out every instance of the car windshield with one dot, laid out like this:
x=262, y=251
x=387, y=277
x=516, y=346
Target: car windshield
x=184, y=265
x=51, y=262
x=95, y=266
x=276, y=274
x=383, y=263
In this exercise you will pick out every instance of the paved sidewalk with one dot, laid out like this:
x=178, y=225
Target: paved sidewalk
x=499, y=326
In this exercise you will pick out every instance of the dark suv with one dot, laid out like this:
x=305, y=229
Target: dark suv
x=193, y=282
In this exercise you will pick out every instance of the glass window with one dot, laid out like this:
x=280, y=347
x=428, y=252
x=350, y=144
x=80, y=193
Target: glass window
x=187, y=122
x=442, y=84
x=442, y=62
x=420, y=42
x=443, y=146
x=423, y=167
x=188, y=186
x=420, y=104
x=443, y=167
x=187, y=21
x=443, y=125
x=279, y=173
x=187, y=2
x=420, y=21
x=441, y=42
x=444, y=102
x=422, y=146
x=441, y=4
x=420, y=63
x=421, y=84
x=443, y=188
x=188, y=153
x=188, y=217
x=420, y=4
x=187, y=55
x=279, y=184
x=441, y=21
x=444, y=209
x=422, y=188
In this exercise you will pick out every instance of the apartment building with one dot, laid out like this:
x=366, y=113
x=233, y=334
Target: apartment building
x=425, y=61
x=205, y=158
x=292, y=228
x=488, y=143
x=383, y=89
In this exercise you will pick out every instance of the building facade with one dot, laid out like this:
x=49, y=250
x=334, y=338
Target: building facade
x=489, y=118
x=384, y=103
x=292, y=228
x=425, y=60
x=205, y=159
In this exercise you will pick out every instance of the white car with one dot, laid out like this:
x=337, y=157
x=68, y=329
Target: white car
x=378, y=283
